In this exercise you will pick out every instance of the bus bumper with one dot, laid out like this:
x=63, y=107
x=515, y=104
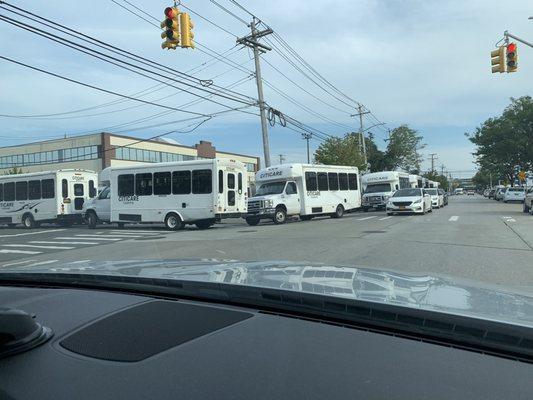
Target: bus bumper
x=263, y=213
x=71, y=218
x=219, y=217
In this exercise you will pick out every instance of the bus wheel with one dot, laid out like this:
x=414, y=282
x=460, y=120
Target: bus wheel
x=173, y=222
x=339, y=212
x=28, y=222
x=205, y=224
x=253, y=221
x=91, y=220
x=280, y=216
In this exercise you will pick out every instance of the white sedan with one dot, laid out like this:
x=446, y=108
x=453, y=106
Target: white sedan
x=437, y=200
x=409, y=201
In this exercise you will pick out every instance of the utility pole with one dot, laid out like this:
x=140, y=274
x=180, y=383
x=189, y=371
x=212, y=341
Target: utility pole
x=307, y=136
x=251, y=41
x=360, y=113
x=442, y=169
x=433, y=158
x=281, y=158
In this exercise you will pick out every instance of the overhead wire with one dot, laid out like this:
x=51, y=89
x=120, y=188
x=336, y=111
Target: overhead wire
x=229, y=12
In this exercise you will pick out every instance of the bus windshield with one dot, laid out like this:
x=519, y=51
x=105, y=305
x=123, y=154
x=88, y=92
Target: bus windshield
x=270, y=188
x=378, y=187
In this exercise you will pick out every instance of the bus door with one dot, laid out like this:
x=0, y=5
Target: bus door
x=231, y=193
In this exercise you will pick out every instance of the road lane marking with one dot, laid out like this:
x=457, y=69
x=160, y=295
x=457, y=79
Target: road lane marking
x=384, y=218
x=17, y=263
x=365, y=218
x=83, y=238
x=80, y=261
x=134, y=233
x=122, y=236
x=19, y=251
x=453, y=218
x=41, y=263
x=55, y=242
x=34, y=246
x=33, y=233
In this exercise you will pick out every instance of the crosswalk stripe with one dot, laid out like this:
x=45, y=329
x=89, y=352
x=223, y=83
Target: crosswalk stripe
x=453, y=218
x=34, y=246
x=382, y=219
x=365, y=218
x=18, y=263
x=19, y=251
x=135, y=232
x=83, y=238
x=55, y=242
x=33, y=233
x=122, y=236
x=41, y=263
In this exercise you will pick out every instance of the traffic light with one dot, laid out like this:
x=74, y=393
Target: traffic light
x=522, y=176
x=512, y=57
x=498, y=60
x=171, y=28
x=187, y=35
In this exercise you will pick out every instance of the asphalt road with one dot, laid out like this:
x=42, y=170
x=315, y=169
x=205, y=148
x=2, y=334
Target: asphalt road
x=472, y=237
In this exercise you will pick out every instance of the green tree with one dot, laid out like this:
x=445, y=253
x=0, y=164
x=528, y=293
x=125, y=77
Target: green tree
x=506, y=141
x=340, y=151
x=376, y=158
x=403, y=149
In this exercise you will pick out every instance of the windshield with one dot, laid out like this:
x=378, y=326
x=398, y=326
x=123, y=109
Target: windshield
x=378, y=187
x=270, y=188
x=407, y=193
x=273, y=134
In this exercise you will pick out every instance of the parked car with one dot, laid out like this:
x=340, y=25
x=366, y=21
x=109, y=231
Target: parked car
x=498, y=196
x=486, y=193
x=471, y=192
x=411, y=200
x=444, y=197
x=528, y=201
x=514, y=194
x=437, y=200
x=492, y=192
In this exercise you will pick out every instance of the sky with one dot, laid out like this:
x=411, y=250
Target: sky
x=424, y=63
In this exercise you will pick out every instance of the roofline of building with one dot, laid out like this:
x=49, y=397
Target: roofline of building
x=125, y=137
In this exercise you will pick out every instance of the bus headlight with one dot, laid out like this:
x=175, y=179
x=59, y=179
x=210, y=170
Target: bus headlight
x=269, y=203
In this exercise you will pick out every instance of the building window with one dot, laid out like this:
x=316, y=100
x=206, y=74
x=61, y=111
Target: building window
x=34, y=190
x=202, y=181
x=48, y=189
x=119, y=153
x=126, y=185
x=162, y=182
x=143, y=184
x=181, y=182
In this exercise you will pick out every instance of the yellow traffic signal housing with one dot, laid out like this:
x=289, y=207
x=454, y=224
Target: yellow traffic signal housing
x=497, y=60
x=512, y=57
x=170, y=25
x=187, y=35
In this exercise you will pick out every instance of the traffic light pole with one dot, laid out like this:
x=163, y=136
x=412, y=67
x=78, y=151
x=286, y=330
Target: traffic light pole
x=509, y=35
x=307, y=136
x=251, y=41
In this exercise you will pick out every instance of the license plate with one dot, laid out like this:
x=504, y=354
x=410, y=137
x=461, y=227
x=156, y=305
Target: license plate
x=402, y=207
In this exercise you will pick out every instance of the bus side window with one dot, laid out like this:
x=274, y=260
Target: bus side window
x=239, y=182
x=143, y=184
x=48, y=189
x=9, y=191
x=322, y=181
x=352, y=181
x=126, y=185
x=202, y=181
x=1, y=192
x=343, y=181
x=64, y=188
x=181, y=182
x=34, y=190
x=310, y=181
x=396, y=186
x=220, y=181
x=22, y=190
x=291, y=188
x=333, y=179
x=162, y=183
x=92, y=189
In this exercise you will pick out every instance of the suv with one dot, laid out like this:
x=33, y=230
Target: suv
x=528, y=201
x=513, y=194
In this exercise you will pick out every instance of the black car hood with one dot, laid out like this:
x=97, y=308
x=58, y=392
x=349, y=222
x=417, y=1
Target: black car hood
x=428, y=292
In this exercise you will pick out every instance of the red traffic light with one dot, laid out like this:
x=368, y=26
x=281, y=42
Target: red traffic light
x=170, y=12
x=511, y=49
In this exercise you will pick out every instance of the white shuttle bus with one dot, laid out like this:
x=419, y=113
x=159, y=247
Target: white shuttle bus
x=379, y=186
x=416, y=181
x=174, y=193
x=52, y=196
x=304, y=190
